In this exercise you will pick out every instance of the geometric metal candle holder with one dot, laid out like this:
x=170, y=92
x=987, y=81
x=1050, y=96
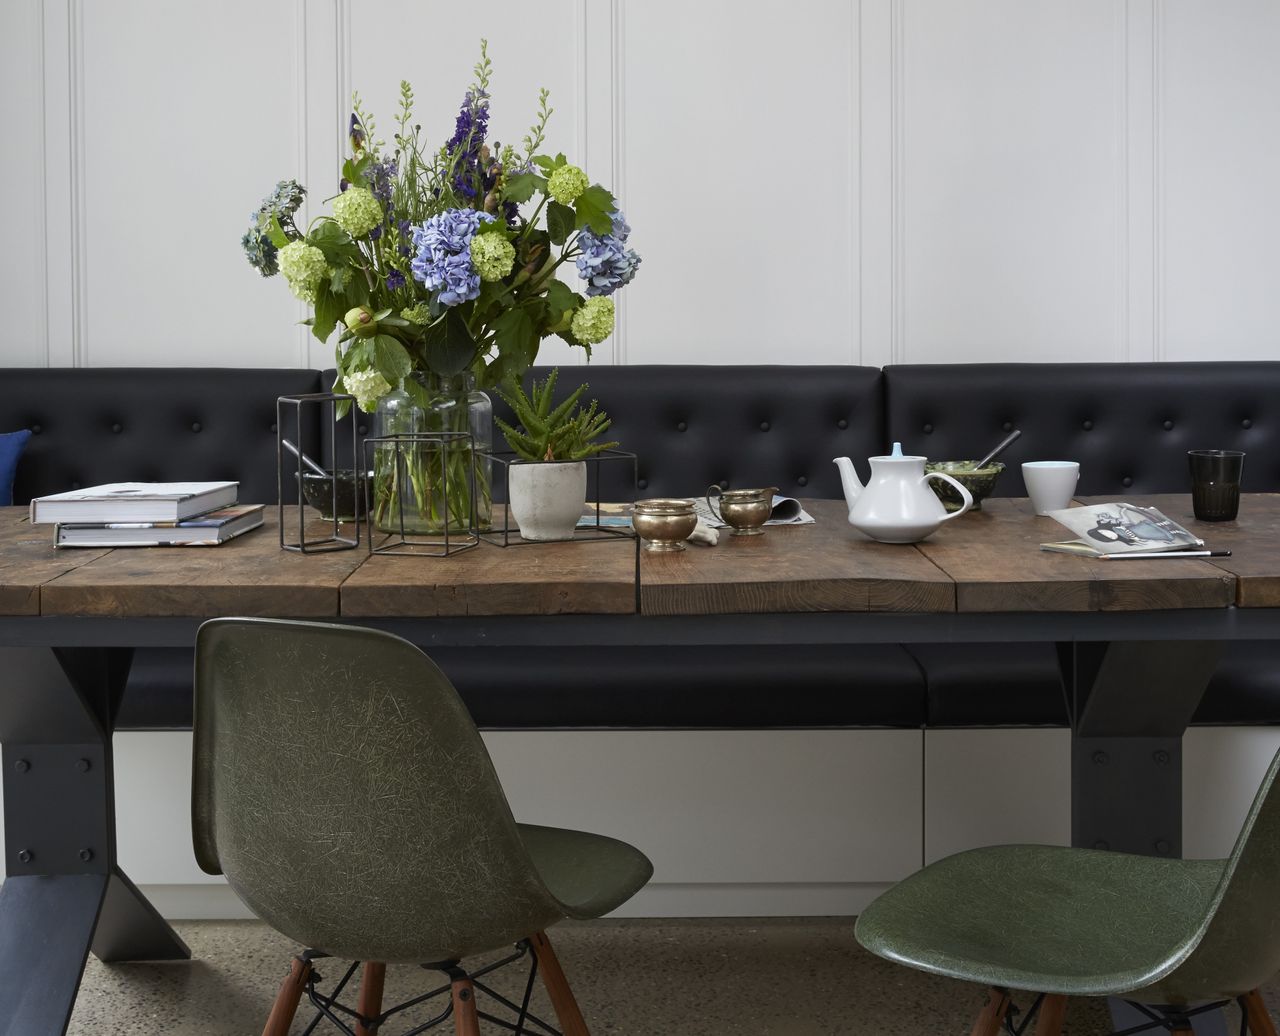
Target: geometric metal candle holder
x=298, y=408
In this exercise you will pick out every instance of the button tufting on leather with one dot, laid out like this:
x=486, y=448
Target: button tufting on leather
x=362, y=429
x=1007, y=426
x=1246, y=423
x=682, y=426
x=642, y=483
x=927, y=429
x=117, y=428
x=1087, y=426
x=36, y=429
x=723, y=483
x=842, y=424
x=802, y=481
x=1168, y=426
x=764, y=426
x=1126, y=482
x=195, y=426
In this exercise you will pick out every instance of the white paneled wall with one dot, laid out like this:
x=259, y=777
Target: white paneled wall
x=819, y=181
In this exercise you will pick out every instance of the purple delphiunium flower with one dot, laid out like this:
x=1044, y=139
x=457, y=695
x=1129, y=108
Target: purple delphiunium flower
x=395, y=280
x=443, y=254
x=382, y=180
x=606, y=264
x=468, y=137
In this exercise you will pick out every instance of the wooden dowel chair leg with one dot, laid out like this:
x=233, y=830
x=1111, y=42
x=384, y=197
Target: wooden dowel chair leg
x=286, y=1005
x=1053, y=1010
x=465, y=1020
x=992, y=1016
x=370, y=1003
x=566, y=1007
x=1255, y=1011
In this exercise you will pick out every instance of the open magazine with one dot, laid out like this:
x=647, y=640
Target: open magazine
x=1120, y=528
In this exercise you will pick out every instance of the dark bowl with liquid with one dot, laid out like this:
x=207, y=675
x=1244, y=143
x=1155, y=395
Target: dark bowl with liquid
x=318, y=491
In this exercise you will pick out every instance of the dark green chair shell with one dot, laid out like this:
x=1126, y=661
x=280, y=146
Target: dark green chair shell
x=344, y=791
x=1078, y=922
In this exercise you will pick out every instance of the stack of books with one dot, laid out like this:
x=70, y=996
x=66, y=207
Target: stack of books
x=147, y=514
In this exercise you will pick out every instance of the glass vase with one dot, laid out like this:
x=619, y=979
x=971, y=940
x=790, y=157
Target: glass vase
x=424, y=486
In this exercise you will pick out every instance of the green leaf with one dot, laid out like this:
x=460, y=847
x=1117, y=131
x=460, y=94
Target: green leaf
x=452, y=352
x=560, y=222
x=494, y=226
x=561, y=299
x=353, y=170
x=522, y=186
x=550, y=165
x=329, y=310
x=341, y=279
x=516, y=336
x=275, y=233
x=334, y=242
x=391, y=358
x=594, y=207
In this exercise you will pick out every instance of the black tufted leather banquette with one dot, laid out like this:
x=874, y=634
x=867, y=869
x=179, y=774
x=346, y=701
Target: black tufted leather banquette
x=1128, y=424
x=96, y=425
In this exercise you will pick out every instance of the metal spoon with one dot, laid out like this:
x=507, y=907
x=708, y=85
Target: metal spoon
x=1005, y=443
x=304, y=458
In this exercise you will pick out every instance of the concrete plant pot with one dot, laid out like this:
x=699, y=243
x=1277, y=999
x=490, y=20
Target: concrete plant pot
x=547, y=498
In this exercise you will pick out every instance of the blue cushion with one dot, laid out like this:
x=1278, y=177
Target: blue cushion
x=11, y=446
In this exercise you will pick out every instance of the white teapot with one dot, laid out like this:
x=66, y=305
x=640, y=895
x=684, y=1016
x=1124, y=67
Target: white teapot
x=896, y=505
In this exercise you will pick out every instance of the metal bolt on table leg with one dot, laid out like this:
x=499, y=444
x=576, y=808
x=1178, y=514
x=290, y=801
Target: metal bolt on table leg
x=83, y=765
x=25, y=855
x=21, y=765
x=1161, y=757
x=86, y=855
x=1101, y=758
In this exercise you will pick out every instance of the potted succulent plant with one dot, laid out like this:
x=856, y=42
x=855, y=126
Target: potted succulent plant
x=548, y=484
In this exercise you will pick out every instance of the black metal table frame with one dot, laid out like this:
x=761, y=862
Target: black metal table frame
x=1133, y=682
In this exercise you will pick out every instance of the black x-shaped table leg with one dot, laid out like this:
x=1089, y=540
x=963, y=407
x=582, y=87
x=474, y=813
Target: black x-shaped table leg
x=64, y=894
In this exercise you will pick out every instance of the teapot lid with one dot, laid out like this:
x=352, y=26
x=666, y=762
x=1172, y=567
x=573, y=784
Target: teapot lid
x=898, y=455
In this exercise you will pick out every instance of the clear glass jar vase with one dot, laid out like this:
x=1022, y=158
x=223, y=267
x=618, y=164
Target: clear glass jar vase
x=425, y=486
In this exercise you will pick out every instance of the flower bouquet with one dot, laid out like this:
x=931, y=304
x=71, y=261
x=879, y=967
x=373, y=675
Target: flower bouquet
x=438, y=278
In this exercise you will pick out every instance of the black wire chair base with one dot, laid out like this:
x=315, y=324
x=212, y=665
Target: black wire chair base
x=343, y=1017
x=1166, y=1019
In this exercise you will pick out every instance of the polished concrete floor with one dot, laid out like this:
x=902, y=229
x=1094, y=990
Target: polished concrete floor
x=651, y=978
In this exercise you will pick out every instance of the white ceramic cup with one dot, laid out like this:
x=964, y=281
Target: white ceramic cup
x=1050, y=483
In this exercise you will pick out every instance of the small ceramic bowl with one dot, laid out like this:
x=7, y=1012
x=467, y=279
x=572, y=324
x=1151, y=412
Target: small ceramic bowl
x=318, y=491
x=979, y=481
x=663, y=524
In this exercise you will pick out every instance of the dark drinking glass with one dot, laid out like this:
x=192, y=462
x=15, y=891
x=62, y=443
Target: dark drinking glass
x=1215, y=483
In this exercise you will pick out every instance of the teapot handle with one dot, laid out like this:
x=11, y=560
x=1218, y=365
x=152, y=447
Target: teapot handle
x=965, y=495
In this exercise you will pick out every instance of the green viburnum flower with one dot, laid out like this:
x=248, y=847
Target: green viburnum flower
x=419, y=314
x=357, y=211
x=304, y=268
x=361, y=321
x=566, y=183
x=367, y=386
x=593, y=320
x=492, y=255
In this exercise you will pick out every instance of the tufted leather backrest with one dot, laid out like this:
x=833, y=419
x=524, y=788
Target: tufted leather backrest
x=153, y=424
x=1128, y=424
x=740, y=426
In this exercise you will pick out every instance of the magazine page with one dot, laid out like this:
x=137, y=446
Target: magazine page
x=1122, y=528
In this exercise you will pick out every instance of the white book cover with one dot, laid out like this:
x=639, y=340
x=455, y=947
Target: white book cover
x=1120, y=528
x=134, y=501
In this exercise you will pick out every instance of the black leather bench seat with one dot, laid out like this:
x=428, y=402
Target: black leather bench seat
x=591, y=687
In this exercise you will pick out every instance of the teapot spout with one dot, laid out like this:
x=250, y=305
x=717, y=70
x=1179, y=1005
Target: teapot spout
x=849, y=480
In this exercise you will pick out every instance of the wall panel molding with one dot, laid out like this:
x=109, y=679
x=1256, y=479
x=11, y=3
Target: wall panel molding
x=60, y=104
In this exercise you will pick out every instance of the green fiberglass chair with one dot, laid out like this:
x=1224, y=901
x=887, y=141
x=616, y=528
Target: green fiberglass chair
x=342, y=788
x=1055, y=922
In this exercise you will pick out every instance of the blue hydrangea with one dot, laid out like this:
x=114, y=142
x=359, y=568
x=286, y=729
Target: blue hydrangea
x=442, y=259
x=606, y=263
x=284, y=200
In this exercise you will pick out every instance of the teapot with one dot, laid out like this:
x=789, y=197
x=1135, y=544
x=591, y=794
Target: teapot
x=896, y=505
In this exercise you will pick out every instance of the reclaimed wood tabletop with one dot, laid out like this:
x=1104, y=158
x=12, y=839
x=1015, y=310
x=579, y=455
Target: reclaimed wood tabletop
x=824, y=567
x=994, y=557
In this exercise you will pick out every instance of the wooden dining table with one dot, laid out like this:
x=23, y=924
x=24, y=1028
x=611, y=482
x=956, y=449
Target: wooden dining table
x=1137, y=641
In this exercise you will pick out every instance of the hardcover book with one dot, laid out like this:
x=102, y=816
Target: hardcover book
x=134, y=502
x=1120, y=528
x=206, y=530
